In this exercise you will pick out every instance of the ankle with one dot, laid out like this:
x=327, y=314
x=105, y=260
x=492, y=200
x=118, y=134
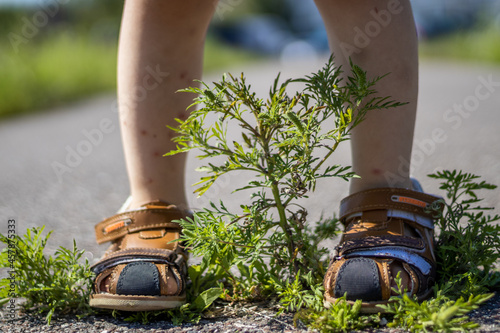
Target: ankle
x=360, y=184
x=134, y=203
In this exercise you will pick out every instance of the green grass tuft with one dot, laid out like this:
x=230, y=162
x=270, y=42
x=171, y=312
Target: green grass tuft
x=49, y=284
x=63, y=67
x=55, y=70
x=479, y=45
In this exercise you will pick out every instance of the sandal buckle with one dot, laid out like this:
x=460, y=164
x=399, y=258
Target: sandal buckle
x=115, y=226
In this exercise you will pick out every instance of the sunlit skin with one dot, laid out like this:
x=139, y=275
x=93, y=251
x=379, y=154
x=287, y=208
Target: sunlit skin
x=168, y=35
x=386, y=136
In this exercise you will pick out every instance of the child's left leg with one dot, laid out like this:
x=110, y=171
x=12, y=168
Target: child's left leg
x=387, y=229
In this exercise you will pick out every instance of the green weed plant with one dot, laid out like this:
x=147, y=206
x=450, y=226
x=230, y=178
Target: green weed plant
x=468, y=244
x=285, y=145
x=49, y=284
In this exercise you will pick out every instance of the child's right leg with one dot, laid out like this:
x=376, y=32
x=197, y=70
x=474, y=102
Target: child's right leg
x=161, y=51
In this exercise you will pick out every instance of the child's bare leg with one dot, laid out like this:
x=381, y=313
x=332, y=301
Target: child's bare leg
x=384, y=139
x=161, y=51
x=380, y=37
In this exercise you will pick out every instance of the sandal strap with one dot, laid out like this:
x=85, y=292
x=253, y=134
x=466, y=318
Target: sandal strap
x=407, y=249
x=390, y=198
x=126, y=256
x=144, y=218
x=409, y=257
x=381, y=241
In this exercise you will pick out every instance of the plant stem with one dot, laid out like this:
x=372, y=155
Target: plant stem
x=277, y=198
x=284, y=224
x=327, y=155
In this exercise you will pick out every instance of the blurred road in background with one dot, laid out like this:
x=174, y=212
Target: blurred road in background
x=64, y=168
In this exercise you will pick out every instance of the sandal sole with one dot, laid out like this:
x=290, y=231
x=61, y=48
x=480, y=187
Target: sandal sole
x=371, y=307
x=136, y=303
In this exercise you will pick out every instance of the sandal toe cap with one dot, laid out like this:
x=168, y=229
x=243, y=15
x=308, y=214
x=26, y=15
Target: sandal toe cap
x=139, y=278
x=358, y=278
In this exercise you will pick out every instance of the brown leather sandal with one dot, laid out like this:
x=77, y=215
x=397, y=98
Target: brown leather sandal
x=387, y=230
x=141, y=270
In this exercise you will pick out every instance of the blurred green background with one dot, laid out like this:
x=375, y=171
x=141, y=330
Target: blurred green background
x=62, y=51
